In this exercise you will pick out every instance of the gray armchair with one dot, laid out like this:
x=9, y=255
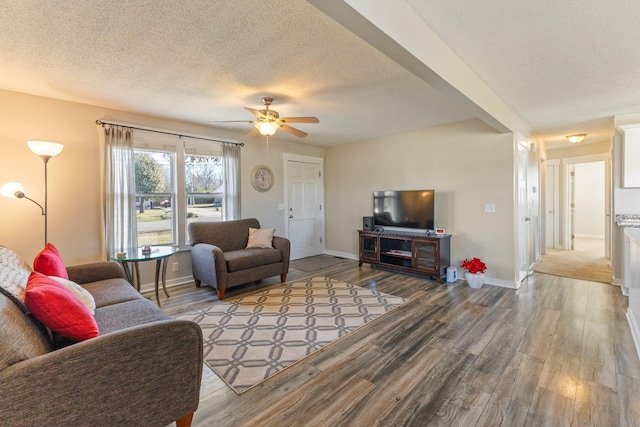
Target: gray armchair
x=220, y=257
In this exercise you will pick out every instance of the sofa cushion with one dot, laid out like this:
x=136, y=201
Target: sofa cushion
x=260, y=238
x=22, y=338
x=244, y=259
x=49, y=262
x=128, y=314
x=58, y=309
x=111, y=291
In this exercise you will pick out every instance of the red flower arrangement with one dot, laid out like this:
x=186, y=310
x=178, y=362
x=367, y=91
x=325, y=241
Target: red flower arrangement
x=474, y=265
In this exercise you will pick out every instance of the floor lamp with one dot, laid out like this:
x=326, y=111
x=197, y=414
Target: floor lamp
x=46, y=150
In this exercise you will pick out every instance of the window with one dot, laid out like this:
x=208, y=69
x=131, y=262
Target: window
x=177, y=181
x=203, y=177
x=155, y=196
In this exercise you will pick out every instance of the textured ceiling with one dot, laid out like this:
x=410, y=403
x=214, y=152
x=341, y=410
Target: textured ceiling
x=564, y=68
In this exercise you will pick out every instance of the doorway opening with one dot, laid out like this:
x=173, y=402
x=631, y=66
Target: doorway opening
x=577, y=222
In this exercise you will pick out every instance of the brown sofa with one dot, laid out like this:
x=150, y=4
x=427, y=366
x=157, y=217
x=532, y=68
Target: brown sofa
x=143, y=369
x=220, y=257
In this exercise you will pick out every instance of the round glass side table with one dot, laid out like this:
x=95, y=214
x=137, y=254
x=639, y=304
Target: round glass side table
x=133, y=256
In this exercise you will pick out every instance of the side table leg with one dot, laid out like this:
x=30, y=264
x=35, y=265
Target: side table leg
x=127, y=272
x=158, y=262
x=137, y=272
x=164, y=276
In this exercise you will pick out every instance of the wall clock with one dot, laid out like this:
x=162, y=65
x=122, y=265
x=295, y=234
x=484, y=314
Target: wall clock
x=262, y=178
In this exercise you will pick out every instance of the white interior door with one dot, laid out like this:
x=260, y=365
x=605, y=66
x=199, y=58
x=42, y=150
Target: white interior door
x=572, y=207
x=524, y=219
x=305, y=216
x=550, y=195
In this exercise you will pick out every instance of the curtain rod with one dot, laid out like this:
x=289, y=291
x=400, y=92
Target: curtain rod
x=101, y=123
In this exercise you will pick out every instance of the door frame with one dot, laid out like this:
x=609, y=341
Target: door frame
x=566, y=165
x=522, y=214
x=555, y=165
x=290, y=157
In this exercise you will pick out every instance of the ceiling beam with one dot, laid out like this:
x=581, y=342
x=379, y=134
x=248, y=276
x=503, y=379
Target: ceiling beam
x=393, y=27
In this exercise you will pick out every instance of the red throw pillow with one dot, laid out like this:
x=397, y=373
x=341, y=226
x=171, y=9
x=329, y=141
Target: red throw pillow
x=58, y=309
x=49, y=262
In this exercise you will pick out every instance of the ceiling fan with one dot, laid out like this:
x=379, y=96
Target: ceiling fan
x=268, y=121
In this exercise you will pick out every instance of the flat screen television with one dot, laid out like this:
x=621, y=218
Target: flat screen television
x=404, y=209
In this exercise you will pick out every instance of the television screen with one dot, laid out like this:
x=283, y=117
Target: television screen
x=407, y=209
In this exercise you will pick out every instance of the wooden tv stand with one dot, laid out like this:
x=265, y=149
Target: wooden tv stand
x=414, y=252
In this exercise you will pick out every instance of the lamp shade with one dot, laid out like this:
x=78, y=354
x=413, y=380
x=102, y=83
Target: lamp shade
x=267, y=128
x=10, y=189
x=45, y=148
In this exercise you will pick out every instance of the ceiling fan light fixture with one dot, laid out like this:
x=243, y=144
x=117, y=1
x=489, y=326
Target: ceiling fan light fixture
x=575, y=138
x=267, y=128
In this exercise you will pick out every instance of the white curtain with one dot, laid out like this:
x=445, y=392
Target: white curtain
x=120, y=189
x=231, y=156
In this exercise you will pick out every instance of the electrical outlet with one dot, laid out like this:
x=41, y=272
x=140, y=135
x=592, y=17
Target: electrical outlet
x=490, y=207
x=175, y=266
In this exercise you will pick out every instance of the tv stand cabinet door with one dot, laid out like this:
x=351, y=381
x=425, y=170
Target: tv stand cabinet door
x=427, y=257
x=369, y=248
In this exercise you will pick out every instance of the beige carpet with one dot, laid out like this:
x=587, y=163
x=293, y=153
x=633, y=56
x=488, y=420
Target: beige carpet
x=250, y=338
x=585, y=262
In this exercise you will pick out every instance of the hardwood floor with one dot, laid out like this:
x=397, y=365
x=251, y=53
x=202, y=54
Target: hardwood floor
x=556, y=352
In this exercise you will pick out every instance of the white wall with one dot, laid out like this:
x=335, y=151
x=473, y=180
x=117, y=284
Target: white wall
x=468, y=164
x=74, y=176
x=589, y=200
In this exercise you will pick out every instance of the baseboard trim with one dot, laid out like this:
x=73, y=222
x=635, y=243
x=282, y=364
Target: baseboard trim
x=342, y=255
x=590, y=236
x=150, y=287
x=501, y=283
x=487, y=280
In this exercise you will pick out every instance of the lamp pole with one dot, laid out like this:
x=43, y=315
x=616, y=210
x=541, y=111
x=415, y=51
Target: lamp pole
x=46, y=192
x=45, y=150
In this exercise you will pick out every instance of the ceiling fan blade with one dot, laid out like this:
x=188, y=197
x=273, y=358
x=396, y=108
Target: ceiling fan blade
x=255, y=112
x=299, y=120
x=253, y=132
x=232, y=121
x=293, y=131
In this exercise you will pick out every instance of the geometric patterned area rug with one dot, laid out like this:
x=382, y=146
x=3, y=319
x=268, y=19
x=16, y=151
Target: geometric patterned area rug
x=252, y=337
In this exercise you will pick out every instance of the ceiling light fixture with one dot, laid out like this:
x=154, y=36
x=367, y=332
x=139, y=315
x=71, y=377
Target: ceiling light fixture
x=267, y=128
x=575, y=138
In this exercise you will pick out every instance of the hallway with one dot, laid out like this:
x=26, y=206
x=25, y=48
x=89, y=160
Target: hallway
x=586, y=262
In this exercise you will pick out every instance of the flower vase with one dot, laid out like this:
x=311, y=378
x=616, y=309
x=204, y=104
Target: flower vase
x=475, y=280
